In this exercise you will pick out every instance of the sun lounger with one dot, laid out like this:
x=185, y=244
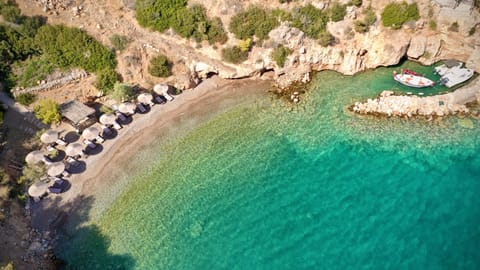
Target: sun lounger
x=50, y=148
x=106, y=130
x=168, y=97
x=159, y=99
x=121, y=116
x=90, y=144
x=141, y=108
x=117, y=126
x=61, y=142
x=65, y=173
x=73, y=162
x=99, y=139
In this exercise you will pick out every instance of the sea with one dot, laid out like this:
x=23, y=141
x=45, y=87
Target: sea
x=266, y=184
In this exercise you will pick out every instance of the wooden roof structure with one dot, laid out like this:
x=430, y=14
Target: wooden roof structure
x=75, y=111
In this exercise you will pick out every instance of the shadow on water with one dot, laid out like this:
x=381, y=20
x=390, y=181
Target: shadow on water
x=80, y=245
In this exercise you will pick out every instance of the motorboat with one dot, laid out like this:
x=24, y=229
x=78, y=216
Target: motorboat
x=412, y=79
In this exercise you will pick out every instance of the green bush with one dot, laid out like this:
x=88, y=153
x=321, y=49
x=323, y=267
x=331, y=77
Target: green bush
x=311, y=20
x=472, y=31
x=370, y=16
x=245, y=45
x=106, y=79
x=119, y=42
x=360, y=26
x=453, y=27
x=187, y=22
x=325, y=38
x=160, y=66
x=71, y=47
x=26, y=98
x=106, y=109
x=234, y=55
x=32, y=70
x=47, y=111
x=356, y=2
x=280, y=54
x=255, y=21
x=396, y=14
x=10, y=12
x=432, y=25
x=122, y=92
x=337, y=12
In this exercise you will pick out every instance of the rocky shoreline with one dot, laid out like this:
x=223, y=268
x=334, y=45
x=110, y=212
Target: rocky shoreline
x=388, y=104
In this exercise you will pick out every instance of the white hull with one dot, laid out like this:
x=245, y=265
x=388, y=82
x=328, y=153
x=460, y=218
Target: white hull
x=413, y=80
x=456, y=75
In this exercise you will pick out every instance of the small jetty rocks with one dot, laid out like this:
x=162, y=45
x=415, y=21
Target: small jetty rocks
x=389, y=104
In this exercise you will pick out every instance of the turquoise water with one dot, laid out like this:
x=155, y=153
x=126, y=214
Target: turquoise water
x=269, y=186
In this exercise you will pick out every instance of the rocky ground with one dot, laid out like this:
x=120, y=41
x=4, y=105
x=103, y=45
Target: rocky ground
x=352, y=52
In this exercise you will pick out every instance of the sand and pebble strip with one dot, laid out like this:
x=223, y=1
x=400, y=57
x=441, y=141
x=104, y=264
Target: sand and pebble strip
x=389, y=104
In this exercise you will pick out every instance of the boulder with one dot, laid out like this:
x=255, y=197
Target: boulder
x=417, y=46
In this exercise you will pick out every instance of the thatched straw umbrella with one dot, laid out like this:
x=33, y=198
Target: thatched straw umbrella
x=90, y=133
x=108, y=119
x=38, y=189
x=56, y=168
x=35, y=157
x=74, y=149
x=160, y=89
x=145, y=98
x=49, y=136
x=127, y=108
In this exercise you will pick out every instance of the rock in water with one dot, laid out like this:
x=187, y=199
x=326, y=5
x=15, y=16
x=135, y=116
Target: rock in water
x=465, y=123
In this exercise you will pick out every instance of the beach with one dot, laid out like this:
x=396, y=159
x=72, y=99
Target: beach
x=197, y=105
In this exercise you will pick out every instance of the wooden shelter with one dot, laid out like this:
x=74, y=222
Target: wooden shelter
x=79, y=115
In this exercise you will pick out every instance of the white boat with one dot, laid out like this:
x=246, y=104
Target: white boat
x=412, y=80
x=456, y=75
x=448, y=64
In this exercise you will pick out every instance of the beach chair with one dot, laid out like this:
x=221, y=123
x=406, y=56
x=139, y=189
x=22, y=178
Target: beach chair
x=72, y=162
x=117, y=126
x=159, y=99
x=90, y=144
x=99, y=139
x=121, y=116
x=106, y=130
x=168, y=97
x=66, y=174
x=50, y=148
x=61, y=142
x=141, y=108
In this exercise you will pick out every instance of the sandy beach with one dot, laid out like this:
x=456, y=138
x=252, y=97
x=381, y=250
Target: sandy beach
x=209, y=98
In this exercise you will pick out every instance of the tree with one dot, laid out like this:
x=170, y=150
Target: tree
x=159, y=66
x=106, y=79
x=337, y=12
x=32, y=173
x=47, y=111
x=119, y=42
x=122, y=92
x=255, y=21
x=311, y=20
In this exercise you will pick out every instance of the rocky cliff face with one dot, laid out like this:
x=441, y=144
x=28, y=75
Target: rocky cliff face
x=354, y=52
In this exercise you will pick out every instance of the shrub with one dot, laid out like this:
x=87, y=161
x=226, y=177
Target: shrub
x=159, y=66
x=71, y=47
x=360, y=26
x=472, y=31
x=280, y=54
x=32, y=70
x=453, y=27
x=122, y=92
x=187, y=22
x=311, y=20
x=106, y=79
x=47, y=111
x=325, y=39
x=245, y=45
x=106, y=109
x=32, y=173
x=396, y=14
x=10, y=12
x=255, y=21
x=432, y=25
x=356, y=2
x=337, y=12
x=234, y=55
x=119, y=42
x=370, y=16
x=26, y=98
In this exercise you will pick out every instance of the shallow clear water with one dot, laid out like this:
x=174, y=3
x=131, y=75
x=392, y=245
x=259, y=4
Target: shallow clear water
x=268, y=186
